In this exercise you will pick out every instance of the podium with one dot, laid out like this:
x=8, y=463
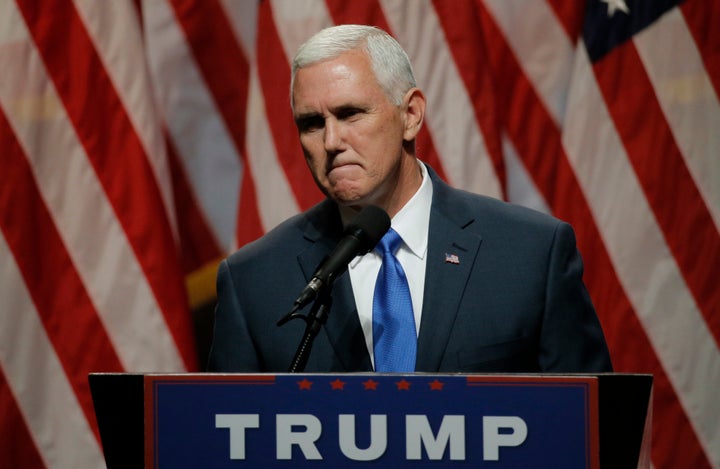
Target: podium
x=379, y=420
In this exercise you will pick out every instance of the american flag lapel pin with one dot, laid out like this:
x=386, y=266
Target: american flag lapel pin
x=452, y=258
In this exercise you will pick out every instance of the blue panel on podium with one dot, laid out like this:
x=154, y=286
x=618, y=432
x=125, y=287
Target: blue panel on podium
x=303, y=420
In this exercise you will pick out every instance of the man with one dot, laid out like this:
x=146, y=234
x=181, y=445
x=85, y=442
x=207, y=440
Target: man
x=494, y=287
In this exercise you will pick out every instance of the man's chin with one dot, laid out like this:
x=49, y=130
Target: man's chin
x=347, y=194
x=350, y=201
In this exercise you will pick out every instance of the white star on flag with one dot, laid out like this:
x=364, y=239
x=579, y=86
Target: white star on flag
x=615, y=5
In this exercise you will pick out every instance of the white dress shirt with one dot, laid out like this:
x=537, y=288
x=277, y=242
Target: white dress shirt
x=411, y=223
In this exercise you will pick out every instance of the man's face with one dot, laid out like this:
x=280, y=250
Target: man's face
x=352, y=135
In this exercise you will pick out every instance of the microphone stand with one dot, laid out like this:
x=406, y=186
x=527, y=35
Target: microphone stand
x=314, y=321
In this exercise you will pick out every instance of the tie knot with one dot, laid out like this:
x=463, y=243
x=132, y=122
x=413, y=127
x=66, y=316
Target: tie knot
x=389, y=243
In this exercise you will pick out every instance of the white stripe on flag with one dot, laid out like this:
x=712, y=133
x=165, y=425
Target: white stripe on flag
x=244, y=22
x=275, y=198
x=521, y=188
x=37, y=379
x=207, y=152
x=547, y=62
x=297, y=20
x=640, y=256
x=458, y=140
x=114, y=30
x=100, y=250
x=687, y=99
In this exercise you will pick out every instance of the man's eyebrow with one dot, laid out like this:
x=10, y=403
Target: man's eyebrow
x=310, y=116
x=306, y=115
x=348, y=107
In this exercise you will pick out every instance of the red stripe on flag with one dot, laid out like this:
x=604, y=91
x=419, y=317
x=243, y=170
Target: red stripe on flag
x=668, y=185
x=570, y=15
x=115, y=152
x=17, y=448
x=221, y=61
x=226, y=72
x=536, y=136
x=274, y=74
x=249, y=226
x=70, y=319
x=370, y=13
x=197, y=242
x=464, y=34
x=703, y=18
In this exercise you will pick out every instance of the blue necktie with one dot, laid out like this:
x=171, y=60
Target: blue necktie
x=394, y=337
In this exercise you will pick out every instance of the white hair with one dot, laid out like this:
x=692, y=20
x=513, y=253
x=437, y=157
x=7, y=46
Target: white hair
x=389, y=62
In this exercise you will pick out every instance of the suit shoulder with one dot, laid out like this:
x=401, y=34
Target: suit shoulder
x=468, y=208
x=489, y=211
x=289, y=236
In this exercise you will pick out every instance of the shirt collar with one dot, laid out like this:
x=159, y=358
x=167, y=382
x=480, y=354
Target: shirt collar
x=412, y=221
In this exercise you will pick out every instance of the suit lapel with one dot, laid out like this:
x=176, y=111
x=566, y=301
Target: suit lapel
x=344, y=330
x=445, y=280
x=343, y=326
x=451, y=254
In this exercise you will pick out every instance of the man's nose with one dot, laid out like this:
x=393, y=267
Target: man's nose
x=332, y=135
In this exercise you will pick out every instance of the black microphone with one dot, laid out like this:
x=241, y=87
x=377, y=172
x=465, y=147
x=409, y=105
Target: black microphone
x=360, y=237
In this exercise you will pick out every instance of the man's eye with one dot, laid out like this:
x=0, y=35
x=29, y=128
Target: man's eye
x=347, y=113
x=308, y=124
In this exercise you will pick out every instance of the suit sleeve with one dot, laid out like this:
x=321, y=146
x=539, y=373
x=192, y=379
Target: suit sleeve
x=571, y=338
x=232, y=348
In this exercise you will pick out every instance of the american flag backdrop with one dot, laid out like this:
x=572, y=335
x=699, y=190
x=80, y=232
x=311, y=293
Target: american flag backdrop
x=142, y=140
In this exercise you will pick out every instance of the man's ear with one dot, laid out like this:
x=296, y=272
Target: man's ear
x=414, y=107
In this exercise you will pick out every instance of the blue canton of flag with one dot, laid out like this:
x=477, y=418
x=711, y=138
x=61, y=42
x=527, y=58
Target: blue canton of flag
x=609, y=23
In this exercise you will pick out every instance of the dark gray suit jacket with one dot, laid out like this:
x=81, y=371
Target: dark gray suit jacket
x=515, y=302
